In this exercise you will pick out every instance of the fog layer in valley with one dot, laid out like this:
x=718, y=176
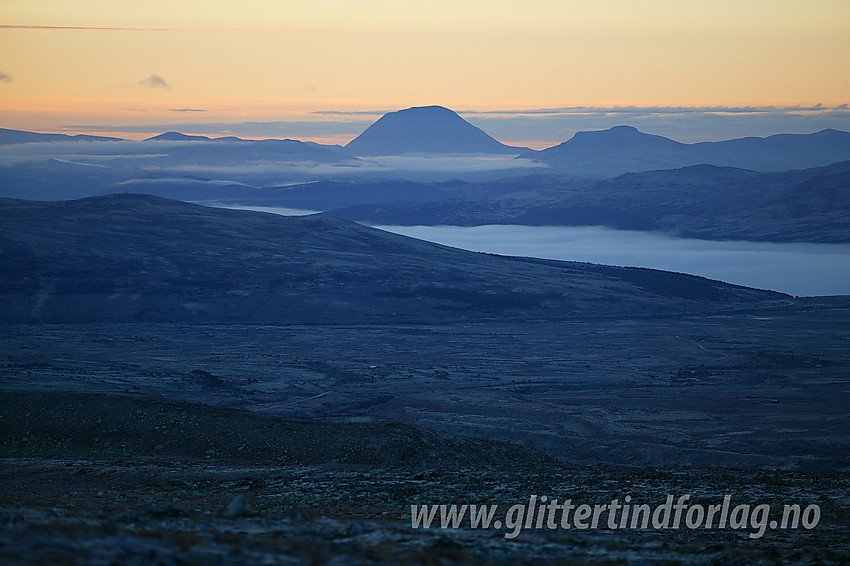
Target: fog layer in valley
x=801, y=269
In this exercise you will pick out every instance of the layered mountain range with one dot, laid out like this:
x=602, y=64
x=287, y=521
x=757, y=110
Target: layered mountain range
x=789, y=187
x=624, y=149
x=702, y=201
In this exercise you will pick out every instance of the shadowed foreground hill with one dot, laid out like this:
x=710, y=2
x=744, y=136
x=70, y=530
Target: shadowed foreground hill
x=134, y=257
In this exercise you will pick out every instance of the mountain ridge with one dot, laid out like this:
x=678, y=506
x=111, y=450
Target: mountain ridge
x=625, y=149
x=178, y=136
x=12, y=137
x=143, y=258
x=700, y=201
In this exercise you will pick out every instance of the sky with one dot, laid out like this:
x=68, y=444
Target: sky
x=530, y=72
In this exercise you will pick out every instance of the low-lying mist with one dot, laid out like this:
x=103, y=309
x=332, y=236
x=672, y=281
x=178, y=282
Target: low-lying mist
x=801, y=269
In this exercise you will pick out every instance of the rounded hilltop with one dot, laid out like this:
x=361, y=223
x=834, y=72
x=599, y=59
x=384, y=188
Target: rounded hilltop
x=425, y=129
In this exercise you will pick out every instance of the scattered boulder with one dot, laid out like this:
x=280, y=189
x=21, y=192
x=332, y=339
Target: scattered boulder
x=238, y=507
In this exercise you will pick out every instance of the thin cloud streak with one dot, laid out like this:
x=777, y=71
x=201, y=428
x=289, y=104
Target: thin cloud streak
x=683, y=124
x=352, y=112
x=278, y=128
x=609, y=110
x=643, y=110
x=155, y=81
x=127, y=28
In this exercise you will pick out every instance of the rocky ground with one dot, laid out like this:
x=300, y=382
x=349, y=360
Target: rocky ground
x=765, y=388
x=122, y=497
x=173, y=511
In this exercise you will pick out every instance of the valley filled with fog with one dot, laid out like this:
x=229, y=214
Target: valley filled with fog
x=801, y=269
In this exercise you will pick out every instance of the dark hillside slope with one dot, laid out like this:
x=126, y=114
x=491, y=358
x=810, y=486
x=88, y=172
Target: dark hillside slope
x=138, y=257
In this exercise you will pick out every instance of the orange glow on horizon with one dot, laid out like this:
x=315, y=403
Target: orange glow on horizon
x=129, y=62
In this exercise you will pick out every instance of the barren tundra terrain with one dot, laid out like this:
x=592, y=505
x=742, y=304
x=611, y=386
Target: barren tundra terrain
x=158, y=360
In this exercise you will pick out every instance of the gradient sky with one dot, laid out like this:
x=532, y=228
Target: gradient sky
x=110, y=65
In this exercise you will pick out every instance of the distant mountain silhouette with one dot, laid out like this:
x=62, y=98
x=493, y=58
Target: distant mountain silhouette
x=177, y=136
x=780, y=152
x=10, y=137
x=623, y=149
x=425, y=129
x=622, y=137
x=703, y=201
x=62, y=178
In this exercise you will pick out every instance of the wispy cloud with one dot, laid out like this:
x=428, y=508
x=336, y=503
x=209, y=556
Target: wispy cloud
x=352, y=112
x=644, y=110
x=186, y=110
x=155, y=81
x=87, y=28
x=613, y=110
x=36, y=27
x=4, y=78
x=541, y=126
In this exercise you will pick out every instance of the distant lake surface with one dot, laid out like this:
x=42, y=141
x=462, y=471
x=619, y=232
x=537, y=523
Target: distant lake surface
x=798, y=269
